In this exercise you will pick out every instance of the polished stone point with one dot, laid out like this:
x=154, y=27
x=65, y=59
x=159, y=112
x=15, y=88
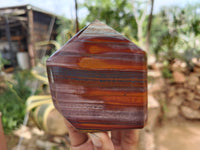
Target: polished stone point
x=98, y=80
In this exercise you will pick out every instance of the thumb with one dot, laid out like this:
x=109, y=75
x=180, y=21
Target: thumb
x=101, y=141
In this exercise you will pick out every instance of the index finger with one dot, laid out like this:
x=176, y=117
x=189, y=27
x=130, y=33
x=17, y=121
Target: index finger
x=77, y=138
x=129, y=139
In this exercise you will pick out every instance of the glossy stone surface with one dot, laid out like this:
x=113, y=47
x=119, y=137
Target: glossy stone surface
x=98, y=80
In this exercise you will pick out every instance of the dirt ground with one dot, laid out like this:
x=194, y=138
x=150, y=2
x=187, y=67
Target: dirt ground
x=173, y=134
x=178, y=135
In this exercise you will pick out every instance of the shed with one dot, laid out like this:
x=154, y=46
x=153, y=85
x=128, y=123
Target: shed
x=21, y=28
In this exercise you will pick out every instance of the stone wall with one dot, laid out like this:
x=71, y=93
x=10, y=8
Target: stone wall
x=184, y=97
x=179, y=96
x=173, y=98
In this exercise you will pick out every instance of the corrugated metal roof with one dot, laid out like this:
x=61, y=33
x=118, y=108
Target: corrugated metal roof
x=29, y=6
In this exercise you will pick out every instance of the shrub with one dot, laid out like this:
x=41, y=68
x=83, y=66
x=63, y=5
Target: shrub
x=12, y=100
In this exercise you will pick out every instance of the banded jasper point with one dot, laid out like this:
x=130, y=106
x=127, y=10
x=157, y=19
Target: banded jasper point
x=98, y=80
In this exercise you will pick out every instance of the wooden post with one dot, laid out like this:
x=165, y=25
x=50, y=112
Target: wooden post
x=31, y=48
x=8, y=36
x=2, y=137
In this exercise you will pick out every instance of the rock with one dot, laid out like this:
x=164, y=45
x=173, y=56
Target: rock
x=197, y=97
x=58, y=139
x=177, y=101
x=162, y=96
x=181, y=90
x=179, y=77
x=195, y=104
x=154, y=74
x=196, y=62
x=152, y=102
x=193, y=80
x=37, y=132
x=178, y=135
x=63, y=148
x=153, y=112
x=157, y=66
x=190, y=95
x=46, y=145
x=22, y=147
x=157, y=86
x=151, y=60
x=172, y=111
x=146, y=140
x=171, y=92
x=24, y=132
x=198, y=88
x=196, y=69
x=189, y=113
x=178, y=66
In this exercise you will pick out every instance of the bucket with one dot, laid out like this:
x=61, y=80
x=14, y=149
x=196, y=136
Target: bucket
x=23, y=60
x=50, y=120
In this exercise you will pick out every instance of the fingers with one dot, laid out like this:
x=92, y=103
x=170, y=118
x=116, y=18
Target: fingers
x=101, y=141
x=120, y=139
x=125, y=139
x=85, y=146
x=116, y=139
x=76, y=137
x=129, y=139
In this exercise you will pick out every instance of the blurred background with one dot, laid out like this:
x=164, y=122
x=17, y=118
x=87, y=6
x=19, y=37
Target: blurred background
x=32, y=30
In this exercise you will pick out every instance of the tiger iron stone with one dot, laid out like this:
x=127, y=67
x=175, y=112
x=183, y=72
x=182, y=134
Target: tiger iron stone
x=98, y=80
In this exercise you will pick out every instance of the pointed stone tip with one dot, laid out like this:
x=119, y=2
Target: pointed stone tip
x=98, y=28
x=98, y=22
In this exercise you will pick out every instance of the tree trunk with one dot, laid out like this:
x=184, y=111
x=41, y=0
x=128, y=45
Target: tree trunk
x=140, y=20
x=139, y=34
x=149, y=27
x=76, y=9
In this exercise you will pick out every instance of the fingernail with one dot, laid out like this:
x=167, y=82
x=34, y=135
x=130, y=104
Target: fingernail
x=95, y=140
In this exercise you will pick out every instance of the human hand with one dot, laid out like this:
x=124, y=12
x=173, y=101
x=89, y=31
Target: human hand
x=120, y=139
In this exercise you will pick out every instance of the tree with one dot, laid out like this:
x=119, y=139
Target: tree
x=178, y=39
x=144, y=21
x=149, y=27
x=116, y=13
x=126, y=16
x=140, y=12
x=76, y=9
x=66, y=29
